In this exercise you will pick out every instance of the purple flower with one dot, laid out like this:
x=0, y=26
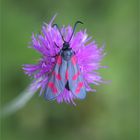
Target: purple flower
x=88, y=54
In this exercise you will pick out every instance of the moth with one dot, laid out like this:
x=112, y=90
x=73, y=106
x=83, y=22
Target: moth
x=66, y=72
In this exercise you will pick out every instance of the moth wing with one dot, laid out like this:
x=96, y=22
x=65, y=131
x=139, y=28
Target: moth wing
x=56, y=82
x=76, y=82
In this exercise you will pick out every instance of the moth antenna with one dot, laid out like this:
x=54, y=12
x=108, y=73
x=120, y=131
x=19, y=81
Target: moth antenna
x=75, y=28
x=59, y=31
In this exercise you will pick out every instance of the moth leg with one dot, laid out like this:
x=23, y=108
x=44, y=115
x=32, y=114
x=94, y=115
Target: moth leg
x=56, y=45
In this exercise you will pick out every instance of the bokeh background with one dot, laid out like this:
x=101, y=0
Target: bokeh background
x=109, y=114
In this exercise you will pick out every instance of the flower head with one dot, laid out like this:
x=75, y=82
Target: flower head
x=88, y=54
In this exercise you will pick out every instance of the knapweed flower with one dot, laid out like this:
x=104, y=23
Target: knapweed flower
x=49, y=43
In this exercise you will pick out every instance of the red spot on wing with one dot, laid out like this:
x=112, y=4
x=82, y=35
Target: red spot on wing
x=58, y=76
x=59, y=60
x=80, y=85
x=67, y=75
x=76, y=76
x=53, y=87
x=73, y=59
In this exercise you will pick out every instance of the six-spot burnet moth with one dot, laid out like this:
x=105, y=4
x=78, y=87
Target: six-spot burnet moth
x=66, y=72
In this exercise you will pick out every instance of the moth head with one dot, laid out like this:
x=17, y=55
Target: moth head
x=66, y=44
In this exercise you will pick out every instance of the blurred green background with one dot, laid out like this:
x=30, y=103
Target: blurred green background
x=109, y=114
